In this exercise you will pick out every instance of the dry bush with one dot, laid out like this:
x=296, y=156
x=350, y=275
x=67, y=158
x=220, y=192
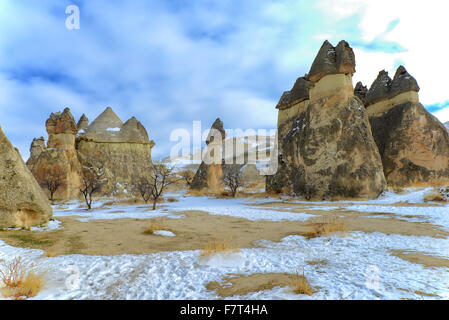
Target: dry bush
x=327, y=227
x=440, y=195
x=18, y=283
x=216, y=246
x=300, y=284
x=155, y=225
x=172, y=199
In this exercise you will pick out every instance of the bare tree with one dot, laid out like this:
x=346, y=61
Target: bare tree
x=160, y=178
x=143, y=187
x=233, y=180
x=187, y=176
x=52, y=179
x=93, y=180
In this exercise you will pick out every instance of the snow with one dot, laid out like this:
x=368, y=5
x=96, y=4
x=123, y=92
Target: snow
x=358, y=266
x=113, y=129
x=164, y=233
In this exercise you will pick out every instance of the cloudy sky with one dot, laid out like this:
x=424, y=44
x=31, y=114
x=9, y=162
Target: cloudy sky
x=169, y=62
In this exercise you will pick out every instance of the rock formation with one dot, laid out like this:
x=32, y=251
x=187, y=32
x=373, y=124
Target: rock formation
x=122, y=149
x=83, y=122
x=210, y=172
x=37, y=147
x=22, y=201
x=360, y=91
x=61, y=154
x=326, y=149
x=446, y=124
x=413, y=144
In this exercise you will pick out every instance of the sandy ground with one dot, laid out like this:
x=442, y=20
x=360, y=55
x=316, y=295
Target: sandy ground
x=198, y=228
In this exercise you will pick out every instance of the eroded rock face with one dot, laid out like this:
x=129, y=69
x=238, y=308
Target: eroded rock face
x=22, y=201
x=123, y=149
x=413, y=144
x=37, y=147
x=83, y=123
x=327, y=150
x=360, y=91
x=60, y=153
x=210, y=172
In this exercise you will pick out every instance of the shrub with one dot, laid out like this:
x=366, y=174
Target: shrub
x=17, y=282
x=300, y=284
x=216, y=246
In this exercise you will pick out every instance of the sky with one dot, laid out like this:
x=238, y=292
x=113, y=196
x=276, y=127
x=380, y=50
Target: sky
x=171, y=62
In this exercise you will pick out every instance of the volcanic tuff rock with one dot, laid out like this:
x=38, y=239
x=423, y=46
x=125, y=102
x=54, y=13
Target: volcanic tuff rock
x=22, y=201
x=326, y=149
x=60, y=154
x=122, y=149
x=413, y=144
x=83, y=122
x=37, y=147
x=210, y=172
x=360, y=91
x=332, y=60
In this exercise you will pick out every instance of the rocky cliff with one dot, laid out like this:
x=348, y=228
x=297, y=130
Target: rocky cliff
x=326, y=149
x=22, y=201
x=413, y=144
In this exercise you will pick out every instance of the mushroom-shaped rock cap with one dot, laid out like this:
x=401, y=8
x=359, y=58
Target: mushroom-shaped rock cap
x=360, y=91
x=298, y=93
x=379, y=89
x=384, y=88
x=217, y=127
x=61, y=123
x=332, y=60
x=403, y=82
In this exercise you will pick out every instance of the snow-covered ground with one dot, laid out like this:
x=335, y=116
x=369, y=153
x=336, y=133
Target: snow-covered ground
x=359, y=265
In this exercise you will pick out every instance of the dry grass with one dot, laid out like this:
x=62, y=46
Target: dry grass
x=155, y=225
x=18, y=283
x=300, y=284
x=216, y=246
x=329, y=226
x=437, y=196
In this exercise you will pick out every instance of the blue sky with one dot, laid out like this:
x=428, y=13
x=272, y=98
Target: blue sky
x=169, y=62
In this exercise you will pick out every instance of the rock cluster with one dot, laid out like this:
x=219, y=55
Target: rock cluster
x=340, y=142
x=123, y=150
x=413, y=144
x=22, y=201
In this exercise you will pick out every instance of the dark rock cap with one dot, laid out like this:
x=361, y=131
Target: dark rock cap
x=298, y=93
x=403, y=82
x=385, y=88
x=360, y=91
x=332, y=60
x=217, y=125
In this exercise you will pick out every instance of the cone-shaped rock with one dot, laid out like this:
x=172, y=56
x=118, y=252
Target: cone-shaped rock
x=326, y=150
x=83, y=122
x=22, y=201
x=413, y=144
